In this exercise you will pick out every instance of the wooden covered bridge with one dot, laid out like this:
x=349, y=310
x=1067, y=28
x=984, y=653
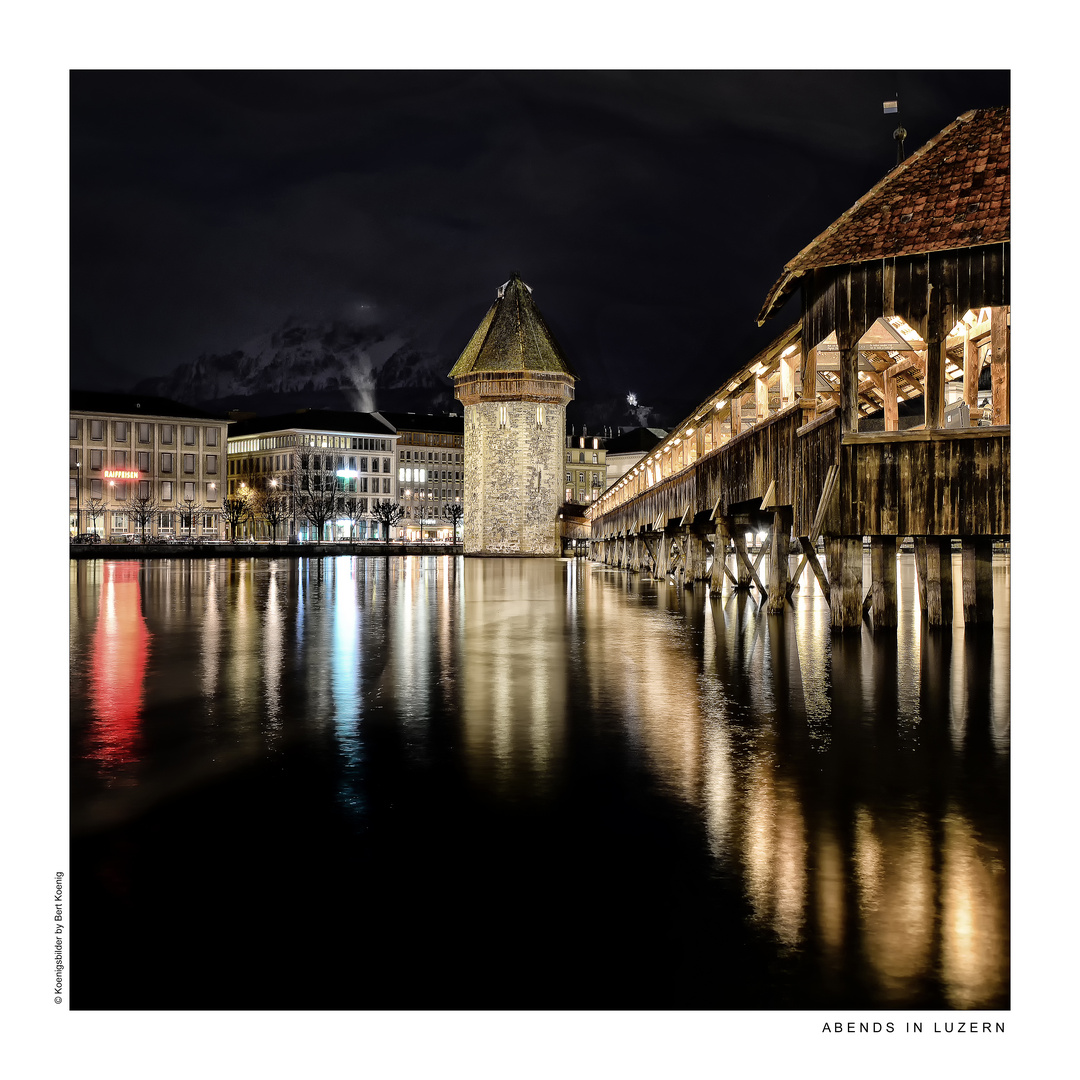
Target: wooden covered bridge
x=882, y=414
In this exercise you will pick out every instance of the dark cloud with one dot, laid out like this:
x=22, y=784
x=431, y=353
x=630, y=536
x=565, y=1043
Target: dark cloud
x=650, y=211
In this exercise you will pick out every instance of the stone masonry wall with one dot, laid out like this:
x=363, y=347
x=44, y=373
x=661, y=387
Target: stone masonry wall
x=513, y=479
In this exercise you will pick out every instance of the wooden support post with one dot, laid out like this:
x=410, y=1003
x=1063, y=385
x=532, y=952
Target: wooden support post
x=934, y=396
x=742, y=563
x=852, y=583
x=778, y=560
x=810, y=556
x=720, y=553
x=809, y=386
x=849, y=384
x=844, y=555
x=695, y=557
x=971, y=371
x=920, y=569
x=883, y=580
x=939, y=597
x=663, y=552
x=761, y=398
x=787, y=379
x=736, y=415
x=978, y=580
x=892, y=412
x=999, y=363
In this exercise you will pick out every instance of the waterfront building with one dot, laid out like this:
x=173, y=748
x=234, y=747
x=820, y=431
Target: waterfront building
x=430, y=471
x=143, y=465
x=627, y=448
x=277, y=463
x=586, y=468
x=515, y=383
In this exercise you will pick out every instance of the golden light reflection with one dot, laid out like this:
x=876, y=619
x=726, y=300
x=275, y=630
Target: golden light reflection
x=895, y=879
x=831, y=886
x=775, y=853
x=514, y=649
x=974, y=917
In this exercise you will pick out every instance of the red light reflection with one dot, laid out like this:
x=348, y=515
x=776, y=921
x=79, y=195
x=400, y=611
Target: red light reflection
x=118, y=665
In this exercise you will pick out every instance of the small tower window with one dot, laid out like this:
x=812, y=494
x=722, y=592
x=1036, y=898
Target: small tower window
x=503, y=418
x=539, y=415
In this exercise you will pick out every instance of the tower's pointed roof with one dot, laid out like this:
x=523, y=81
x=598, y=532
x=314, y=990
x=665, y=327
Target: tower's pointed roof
x=512, y=336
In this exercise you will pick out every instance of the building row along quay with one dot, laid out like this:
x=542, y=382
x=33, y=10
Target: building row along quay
x=881, y=415
x=144, y=467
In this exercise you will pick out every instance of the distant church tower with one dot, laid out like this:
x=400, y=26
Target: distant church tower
x=515, y=383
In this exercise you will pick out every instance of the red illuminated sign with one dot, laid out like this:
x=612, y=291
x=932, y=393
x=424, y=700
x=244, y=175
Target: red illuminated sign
x=122, y=474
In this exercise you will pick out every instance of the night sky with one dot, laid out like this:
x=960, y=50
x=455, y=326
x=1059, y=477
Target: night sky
x=650, y=211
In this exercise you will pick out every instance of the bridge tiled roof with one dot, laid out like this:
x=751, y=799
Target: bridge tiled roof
x=951, y=193
x=512, y=336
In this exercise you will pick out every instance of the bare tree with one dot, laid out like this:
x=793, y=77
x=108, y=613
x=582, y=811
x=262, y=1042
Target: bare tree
x=235, y=508
x=388, y=514
x=95, y=508
x=355, y=509
x=189, y=512
x=275, y=506
x=142, y=506
x=453, y=512
x=319, y=500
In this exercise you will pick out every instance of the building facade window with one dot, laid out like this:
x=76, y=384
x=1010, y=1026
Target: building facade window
x=144, y=489
x=166, y=490
x=97, y=430
x=189, y=463
x=211, y=492
x=144, y=433
x=95, y=489
x=96, y=459
x=167, y=434
x=72, y=488
x=166, y=463
x=120, y=430
x=211, y=464
x=189, y=491
x=211, y=436
x=143, y=457
x=189, y=434
x=119, y=459
x=503, y=416
x=73, y=428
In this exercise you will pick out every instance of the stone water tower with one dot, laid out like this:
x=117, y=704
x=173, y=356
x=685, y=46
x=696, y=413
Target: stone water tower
x=515, y=383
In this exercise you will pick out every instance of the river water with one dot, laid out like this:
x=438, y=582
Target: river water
x=435, y=782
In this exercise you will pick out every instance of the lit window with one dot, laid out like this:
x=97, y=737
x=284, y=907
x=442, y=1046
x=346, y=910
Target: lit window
x=539, y=415
x=503, y=416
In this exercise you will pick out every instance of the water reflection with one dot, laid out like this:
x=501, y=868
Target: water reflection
x=120, y=652
x=851, y=791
